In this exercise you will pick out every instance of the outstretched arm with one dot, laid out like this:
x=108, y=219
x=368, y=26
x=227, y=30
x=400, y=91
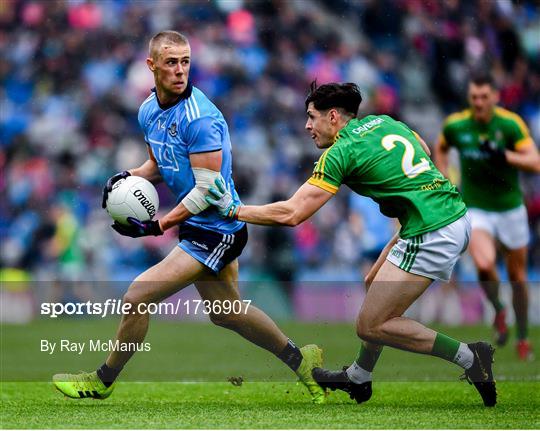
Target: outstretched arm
x=301, y=206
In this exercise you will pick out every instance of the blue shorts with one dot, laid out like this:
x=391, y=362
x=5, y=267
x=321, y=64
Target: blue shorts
x=214, y=250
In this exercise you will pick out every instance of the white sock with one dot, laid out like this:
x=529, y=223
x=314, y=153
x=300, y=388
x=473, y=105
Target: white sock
x=464, y=356
x=357, y=374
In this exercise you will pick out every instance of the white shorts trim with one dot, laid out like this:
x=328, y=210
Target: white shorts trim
x=510, y=227
x=433, y=254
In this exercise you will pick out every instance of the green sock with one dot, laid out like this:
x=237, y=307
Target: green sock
x=498, y=305
x=445, y=347
x=368, y=358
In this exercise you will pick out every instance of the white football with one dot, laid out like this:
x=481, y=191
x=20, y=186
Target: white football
x=132, y=197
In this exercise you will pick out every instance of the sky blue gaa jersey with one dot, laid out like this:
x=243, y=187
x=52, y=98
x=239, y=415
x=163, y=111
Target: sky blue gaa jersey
x=192, y=125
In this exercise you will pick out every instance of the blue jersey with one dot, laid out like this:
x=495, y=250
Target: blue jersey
x=191, y=125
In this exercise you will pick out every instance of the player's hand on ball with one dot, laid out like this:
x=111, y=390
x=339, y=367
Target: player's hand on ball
x=110, y=183
x=138, y=228
x=222, y=199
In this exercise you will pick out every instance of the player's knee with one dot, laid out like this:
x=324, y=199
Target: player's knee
x=132, y=298
x=226, y=320
x=485, y=267
x=518, y=283
x=365, y=330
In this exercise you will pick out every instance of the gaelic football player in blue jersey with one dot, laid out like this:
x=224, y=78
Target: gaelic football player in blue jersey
x=188, y=148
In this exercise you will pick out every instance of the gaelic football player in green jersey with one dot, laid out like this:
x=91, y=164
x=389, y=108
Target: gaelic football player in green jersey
x=383, y=159
x=494, y=144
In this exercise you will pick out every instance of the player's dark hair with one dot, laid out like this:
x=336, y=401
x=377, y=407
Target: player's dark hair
x=483, y=79
x=334, y=95
x=166, y=36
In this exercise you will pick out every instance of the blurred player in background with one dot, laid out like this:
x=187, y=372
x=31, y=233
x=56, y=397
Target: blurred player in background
x=494, y=144
x=189, y=147
x=383, y=159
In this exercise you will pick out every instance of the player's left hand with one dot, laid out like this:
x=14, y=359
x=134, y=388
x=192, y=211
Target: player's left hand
x=138, y=228
x=491, y=149
x=110, y=182
x=222, y=199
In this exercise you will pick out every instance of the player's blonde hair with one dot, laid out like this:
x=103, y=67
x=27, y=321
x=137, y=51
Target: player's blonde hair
x=170, y=36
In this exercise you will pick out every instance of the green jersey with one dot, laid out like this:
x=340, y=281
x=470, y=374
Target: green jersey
x=485, y=186
x=381, y=158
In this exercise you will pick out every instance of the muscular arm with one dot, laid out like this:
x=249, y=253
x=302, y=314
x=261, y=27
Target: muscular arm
x=211, y=161
x=525, y=158
x=302, y=205
x=441, y=157
x=148, y=169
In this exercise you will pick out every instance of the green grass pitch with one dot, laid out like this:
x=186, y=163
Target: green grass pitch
x=182, y=383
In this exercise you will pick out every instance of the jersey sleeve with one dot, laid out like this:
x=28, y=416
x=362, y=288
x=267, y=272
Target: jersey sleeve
x=329, y=172
x=203, y=135
x=518, y=133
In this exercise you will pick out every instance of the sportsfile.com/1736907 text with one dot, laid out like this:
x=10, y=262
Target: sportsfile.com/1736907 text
x=111, y=307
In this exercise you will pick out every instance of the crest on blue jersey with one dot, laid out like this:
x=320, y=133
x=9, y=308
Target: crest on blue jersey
x=172, y=130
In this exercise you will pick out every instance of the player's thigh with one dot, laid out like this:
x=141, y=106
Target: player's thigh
x=483, y=249
x=221, y=286
x=393, y=291
x=176, y=271
x=516, y=263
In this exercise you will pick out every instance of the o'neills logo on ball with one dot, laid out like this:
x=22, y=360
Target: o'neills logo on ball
x=145, y=202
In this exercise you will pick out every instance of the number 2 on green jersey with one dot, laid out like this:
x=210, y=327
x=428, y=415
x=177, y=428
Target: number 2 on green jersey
x=410, y=170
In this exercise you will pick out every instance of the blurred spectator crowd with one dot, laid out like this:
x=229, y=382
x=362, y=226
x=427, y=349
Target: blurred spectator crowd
x=73, y=73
